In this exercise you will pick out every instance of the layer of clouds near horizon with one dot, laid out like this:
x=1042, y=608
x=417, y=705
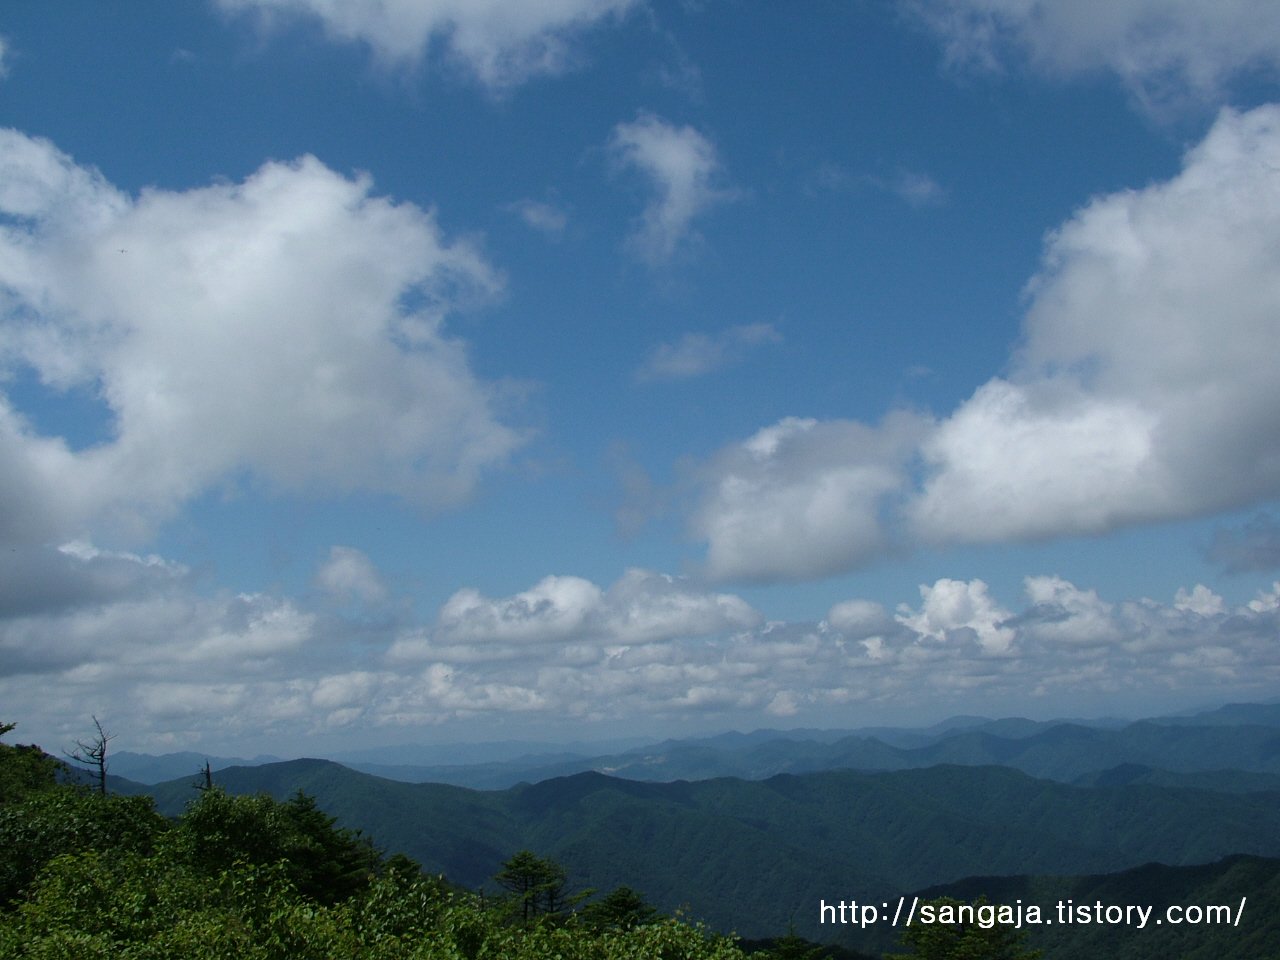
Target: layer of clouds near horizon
x=1163, y=50
x=501, y=41
x=178, y=668
x=1143, y=390
x=254, y=329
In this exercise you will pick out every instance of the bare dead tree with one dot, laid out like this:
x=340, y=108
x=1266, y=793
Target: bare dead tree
x=93, y=754
x=205, y=783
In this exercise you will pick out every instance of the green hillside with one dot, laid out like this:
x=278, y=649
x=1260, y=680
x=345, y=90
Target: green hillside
x=748, y=855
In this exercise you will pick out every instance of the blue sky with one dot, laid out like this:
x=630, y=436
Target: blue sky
x=425, y=370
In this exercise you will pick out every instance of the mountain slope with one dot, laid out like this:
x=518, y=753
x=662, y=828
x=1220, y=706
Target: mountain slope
x=746, y=855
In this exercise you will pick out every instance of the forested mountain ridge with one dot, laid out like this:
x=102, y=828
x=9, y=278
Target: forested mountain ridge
x=744, y=855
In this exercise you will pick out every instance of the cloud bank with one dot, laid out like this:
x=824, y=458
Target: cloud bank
x=1143, y=390
x=287, y=331
x=132, y=639
x=501, y=41
x=1161, y=49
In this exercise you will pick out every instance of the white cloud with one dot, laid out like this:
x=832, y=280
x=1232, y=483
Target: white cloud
x=858, y=619
x=4, y=56
x=350, y=574
x=698, y=353
x=287, y=328
x=802, y=499
x=1063, y=613
x=1267, y=601
x=1030, y=461
x=541, y=216
x=1200, y=600
x=951, y=606
x=151, y=626
x=682, y=165
x=1161, y=49
x=1143, y=390
x=501, y=41
x=642, y=607
x=555, y=609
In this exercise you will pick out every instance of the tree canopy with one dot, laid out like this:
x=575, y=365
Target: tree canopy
x=963, y=940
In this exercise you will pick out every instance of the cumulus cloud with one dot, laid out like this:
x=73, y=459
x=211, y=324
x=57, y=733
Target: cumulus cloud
x=349, y=574
x=501, y=42
x=643, y=607
x=682, y=166
x=287, y=329
x=1143, y=390
x=697, y=353
x=1200, y=599
x=123, y=625
x=953, y=605
x=802, y=498
x=1161, y=49
x=857, y=619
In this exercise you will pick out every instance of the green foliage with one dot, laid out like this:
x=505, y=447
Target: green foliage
x=538, y=886
x=65, y=819
x=91, y=877
x=25, y=769
x=42, y=817
x=326, y=863
x=790, y=947
x=623, y=909
x=963, y=940
x=132, y=907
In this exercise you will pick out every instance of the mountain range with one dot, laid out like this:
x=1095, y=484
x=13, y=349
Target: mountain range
x=750, y=856
x=1244, y=737
x=749, y=832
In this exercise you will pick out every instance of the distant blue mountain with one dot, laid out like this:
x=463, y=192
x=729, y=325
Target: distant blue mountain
x=145, y=768
x=1065, y=750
